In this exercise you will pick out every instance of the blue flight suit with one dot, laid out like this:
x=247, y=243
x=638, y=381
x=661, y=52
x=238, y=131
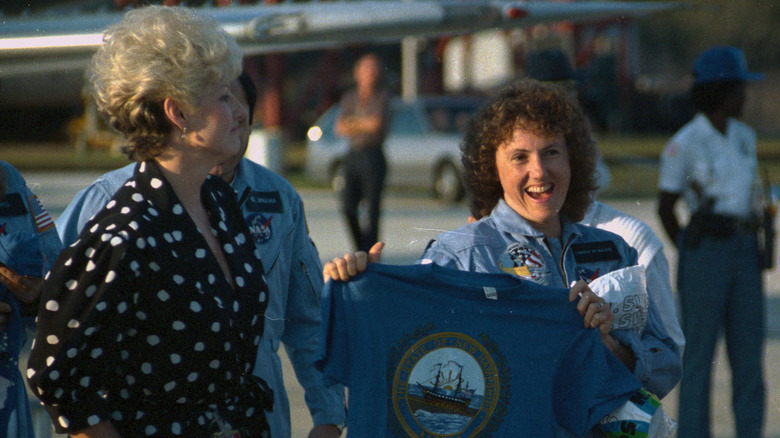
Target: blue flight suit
x=24, y=222
x=505, y=242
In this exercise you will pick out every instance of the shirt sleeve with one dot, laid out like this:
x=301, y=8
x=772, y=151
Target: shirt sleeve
x=78, y=334
x=672, y=172
x=658, y=363
x=302, y=325
x=660, y=288
x=84, y=206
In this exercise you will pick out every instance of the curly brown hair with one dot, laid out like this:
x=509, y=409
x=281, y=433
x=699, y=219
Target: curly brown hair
x=544, y=109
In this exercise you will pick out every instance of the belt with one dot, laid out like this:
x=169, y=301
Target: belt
x=718, y=225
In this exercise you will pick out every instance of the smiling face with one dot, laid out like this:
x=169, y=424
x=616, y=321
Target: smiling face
x=535, y=173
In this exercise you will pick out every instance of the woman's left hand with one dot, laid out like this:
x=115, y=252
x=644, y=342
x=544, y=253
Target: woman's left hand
x=593, y=308
x=25, y=288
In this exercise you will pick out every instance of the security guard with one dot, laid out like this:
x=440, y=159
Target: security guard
x=711, y=162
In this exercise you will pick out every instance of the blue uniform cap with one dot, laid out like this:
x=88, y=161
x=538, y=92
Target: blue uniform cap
x=722, y=64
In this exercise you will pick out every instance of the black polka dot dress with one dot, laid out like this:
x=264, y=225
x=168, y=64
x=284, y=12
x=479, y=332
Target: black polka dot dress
x=139, y=326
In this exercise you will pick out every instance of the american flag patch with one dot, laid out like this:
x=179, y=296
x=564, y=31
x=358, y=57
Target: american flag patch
x=43, y=220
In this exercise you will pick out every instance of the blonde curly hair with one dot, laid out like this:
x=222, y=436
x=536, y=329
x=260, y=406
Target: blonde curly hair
x=154, y=53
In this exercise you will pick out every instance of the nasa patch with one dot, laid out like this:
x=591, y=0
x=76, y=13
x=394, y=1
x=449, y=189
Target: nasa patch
x=448, y=384
x=260, y=227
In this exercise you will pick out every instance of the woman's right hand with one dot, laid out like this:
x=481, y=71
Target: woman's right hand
x=344, y=268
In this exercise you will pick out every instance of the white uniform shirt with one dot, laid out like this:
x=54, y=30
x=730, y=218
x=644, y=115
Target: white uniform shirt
x=724, y=166
x=650, y=250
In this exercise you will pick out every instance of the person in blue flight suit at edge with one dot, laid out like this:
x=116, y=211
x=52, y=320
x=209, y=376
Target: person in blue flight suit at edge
x=711, y=162
x=274, y=212
x=28, y=246
x=519, y=153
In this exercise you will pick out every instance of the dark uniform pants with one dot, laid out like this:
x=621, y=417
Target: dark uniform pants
x=720, y=287
x=364, y=177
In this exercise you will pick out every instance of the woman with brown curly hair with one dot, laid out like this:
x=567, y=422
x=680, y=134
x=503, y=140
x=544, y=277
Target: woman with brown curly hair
x=530, y=163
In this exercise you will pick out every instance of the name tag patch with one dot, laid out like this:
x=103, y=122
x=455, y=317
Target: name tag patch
x=593, y=252
x=264, y=202
x=12, y=204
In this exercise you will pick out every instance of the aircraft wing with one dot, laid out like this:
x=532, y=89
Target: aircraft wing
x=52, y=44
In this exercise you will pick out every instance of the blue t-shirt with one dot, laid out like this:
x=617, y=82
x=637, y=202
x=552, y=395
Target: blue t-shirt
x=431, y=351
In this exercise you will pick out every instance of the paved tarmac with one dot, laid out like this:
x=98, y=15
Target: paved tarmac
x=409, y=221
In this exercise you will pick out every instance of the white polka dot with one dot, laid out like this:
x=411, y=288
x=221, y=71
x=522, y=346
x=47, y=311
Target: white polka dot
x=235, y=306
x=105, y=237
x=178, y=279
x=168, y=237
x=110, y=276
x=63, y=421
x=101, y=306
x=156, y=183
x=52, y=339
x=150, y=430
x=154, y=266
x=262, y=297
x=90, y=266
x=169, y=386
x=215, y=327
x=84, y=381
x=93, y=420
x=200, y=346
x=68, y=262
x=90, y=331
x=214, y=364
x=191, y=377
x=111, y=204
x=212, y=387
x=137, y=197
x=163, y=295
x=200, y=253
x=140, y=243
x=222, y=226
x=140, y=315
x=130, y=379
x=240, y=238
x=175, y=358
x=212, y=278
x=195, y=306
x=71, y=284
x=228, y=248
x=54, y=375
x=177, y=209
x=152, y=242
x=153, y=340
x=30, y=373
x=176, y=429
x=49, y=360
x=133, y=225
x=178, y=325
x=146, y=368
x=90, y=291
x=177, y=235
x=116, y=241
x=96, y=353
x=89, y=252
x=125, y=210
x=122, y=307
x=71, y=353
x=52, y=306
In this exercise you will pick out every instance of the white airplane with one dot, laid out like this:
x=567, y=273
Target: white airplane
x=42, y=59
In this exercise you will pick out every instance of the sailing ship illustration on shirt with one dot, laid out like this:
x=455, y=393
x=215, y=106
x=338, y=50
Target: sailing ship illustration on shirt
x=446, y=392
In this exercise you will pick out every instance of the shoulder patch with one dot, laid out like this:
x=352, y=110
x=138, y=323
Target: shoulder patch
x=593, y=252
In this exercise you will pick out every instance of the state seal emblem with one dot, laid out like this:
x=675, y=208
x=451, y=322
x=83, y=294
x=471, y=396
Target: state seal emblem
x=449, y=384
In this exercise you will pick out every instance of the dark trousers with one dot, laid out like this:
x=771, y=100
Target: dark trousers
x=364, y=178
x=720, y=287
